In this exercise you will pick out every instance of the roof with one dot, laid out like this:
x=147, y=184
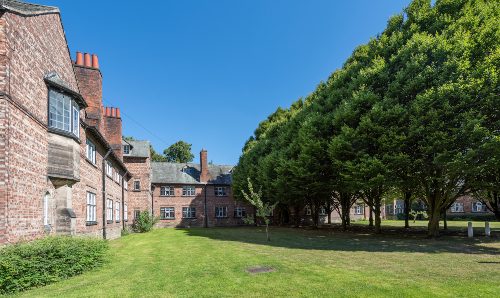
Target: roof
x=137, y=148
x=28, y=9
x=53, y=79
x=189, y=173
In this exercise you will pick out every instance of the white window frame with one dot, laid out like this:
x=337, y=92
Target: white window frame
x=220, y=191
x=76, y=121
x=91, y=151
x=358, y=209
x=126, y=149
x=137, y=185
x=188, y=212
x=307, y=210
x=46, y=198
x=167, y=191
x=167, y=212
x=109, y=210
x=476, y=204
x=322, y=210
x=109, y=169
x=117, y=211
x=64, y=113
x=240, y=212
x=125, y=212
x=125, y=183
x=188, y=191
x=221, y=211
x=457, y=207
x=91, y=207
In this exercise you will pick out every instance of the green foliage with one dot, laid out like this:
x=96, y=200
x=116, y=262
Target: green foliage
x=263, y=209
x=145, y=222
x=41, y=262
x=155, y=156
x=179, y=152
x=413, y=111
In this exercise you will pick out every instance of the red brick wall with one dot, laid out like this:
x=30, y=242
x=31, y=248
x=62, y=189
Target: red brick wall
x=140, y=169
x=33, y=46
x=90, y=83
x=178, y=201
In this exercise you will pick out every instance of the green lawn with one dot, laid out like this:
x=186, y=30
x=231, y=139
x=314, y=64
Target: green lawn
x=309, y=263
x=452, y=224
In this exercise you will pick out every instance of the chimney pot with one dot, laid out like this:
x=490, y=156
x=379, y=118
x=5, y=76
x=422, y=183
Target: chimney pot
x=87, y=60
x=79, y=58
x=108, y=111
x=95, y=61
x=118, y=113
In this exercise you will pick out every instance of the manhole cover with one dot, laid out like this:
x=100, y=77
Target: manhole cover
x=260, y=269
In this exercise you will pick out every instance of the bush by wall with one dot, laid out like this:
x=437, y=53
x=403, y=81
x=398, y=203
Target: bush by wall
x=41, y=262
x=145, y=222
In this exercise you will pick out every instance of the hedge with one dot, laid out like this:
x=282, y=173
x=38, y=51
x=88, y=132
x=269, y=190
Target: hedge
x=41, y=262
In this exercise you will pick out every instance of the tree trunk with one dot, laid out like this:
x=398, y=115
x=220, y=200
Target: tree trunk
x=407, y=209
x=445, y=221
x=297, y=216
x=329, y=210
x=316, y=215
x=433, y=226
x=267, y=232
x=378, y=220
x=370, y=217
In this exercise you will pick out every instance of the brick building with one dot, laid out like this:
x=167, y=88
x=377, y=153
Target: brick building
x=195, y=195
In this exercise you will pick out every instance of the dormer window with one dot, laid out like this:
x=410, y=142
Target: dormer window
x=64, y=113
x=126, y=149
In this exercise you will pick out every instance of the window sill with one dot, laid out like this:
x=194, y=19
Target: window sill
x=91, y=223
x=136, y=190
x=167, y=218
x=117, y=221
x=91, y=163
x=220, y=217
x=64, y=134
x=189, y=218
x=166, y=196
x=109, y=221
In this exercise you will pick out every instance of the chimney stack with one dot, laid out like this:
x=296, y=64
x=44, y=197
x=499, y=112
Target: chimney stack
x=203, y=166
x=89, y=80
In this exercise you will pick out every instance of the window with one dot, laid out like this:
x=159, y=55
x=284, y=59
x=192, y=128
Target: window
x=457, y=207
x=91, y=208
x=125, y=212
x=126, y=149
x=221, y=211
x=117, y=177
x=322, y=210
x=46, y=209
x=137, y=213
x=117, y=211
x=307, y=210
x=188, y=191
x=137, y=185
x=188, y=212
x=167, y=191
x=220, y=191
x=358, y=209
x=109, y=169
x=167, y=213
x=240, y=212
x=125, y=183
x=109, y=210
x=478, y=207
x=64, y=113
x=91, y=151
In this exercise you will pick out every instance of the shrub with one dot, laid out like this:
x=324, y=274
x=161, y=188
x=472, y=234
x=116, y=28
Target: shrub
x=41, y=262
x=144, y=223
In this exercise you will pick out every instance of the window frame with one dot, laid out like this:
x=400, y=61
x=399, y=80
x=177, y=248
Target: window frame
x=127, y=150
x=188, y=191
x=474, y=207
x=169, y=193
x=188, y=212
x=91, y=218
x=165, y=210
x=117, y=211
x=139, y=184
x=218, y=213
x=90, y=149
x=72, y=112
x=359, y=209
x=240, y=212
x=109, y=210
x=220, y=191
x=454, y=209
x=125, y=212
x=307, y=210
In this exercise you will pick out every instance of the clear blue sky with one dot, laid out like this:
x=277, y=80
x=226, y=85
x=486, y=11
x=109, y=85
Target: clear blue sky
x=209, y=71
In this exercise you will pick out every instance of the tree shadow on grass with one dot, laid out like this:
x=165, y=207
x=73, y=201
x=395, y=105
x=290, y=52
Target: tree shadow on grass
x=353, y=240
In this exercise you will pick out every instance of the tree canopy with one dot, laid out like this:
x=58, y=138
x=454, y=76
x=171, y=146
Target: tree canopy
x=414, y=111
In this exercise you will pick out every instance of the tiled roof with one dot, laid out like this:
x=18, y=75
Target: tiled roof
x=189, y=173
x=138, y=148
x=24, y=8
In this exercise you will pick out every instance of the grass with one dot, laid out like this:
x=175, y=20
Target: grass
x=308, y=263
x=453, y=225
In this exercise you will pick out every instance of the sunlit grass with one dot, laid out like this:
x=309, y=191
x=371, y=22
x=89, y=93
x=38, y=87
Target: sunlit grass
x=311, y=263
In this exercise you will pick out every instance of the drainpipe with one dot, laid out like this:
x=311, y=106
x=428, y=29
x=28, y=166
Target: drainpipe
x=205, y=207
x=104, y=193
x=123, y=199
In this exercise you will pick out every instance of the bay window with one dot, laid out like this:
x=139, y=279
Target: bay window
x=64, y=113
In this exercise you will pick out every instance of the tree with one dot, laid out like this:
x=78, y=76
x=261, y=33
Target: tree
x=179, y=152
x=155, y=156
x=263, y=209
